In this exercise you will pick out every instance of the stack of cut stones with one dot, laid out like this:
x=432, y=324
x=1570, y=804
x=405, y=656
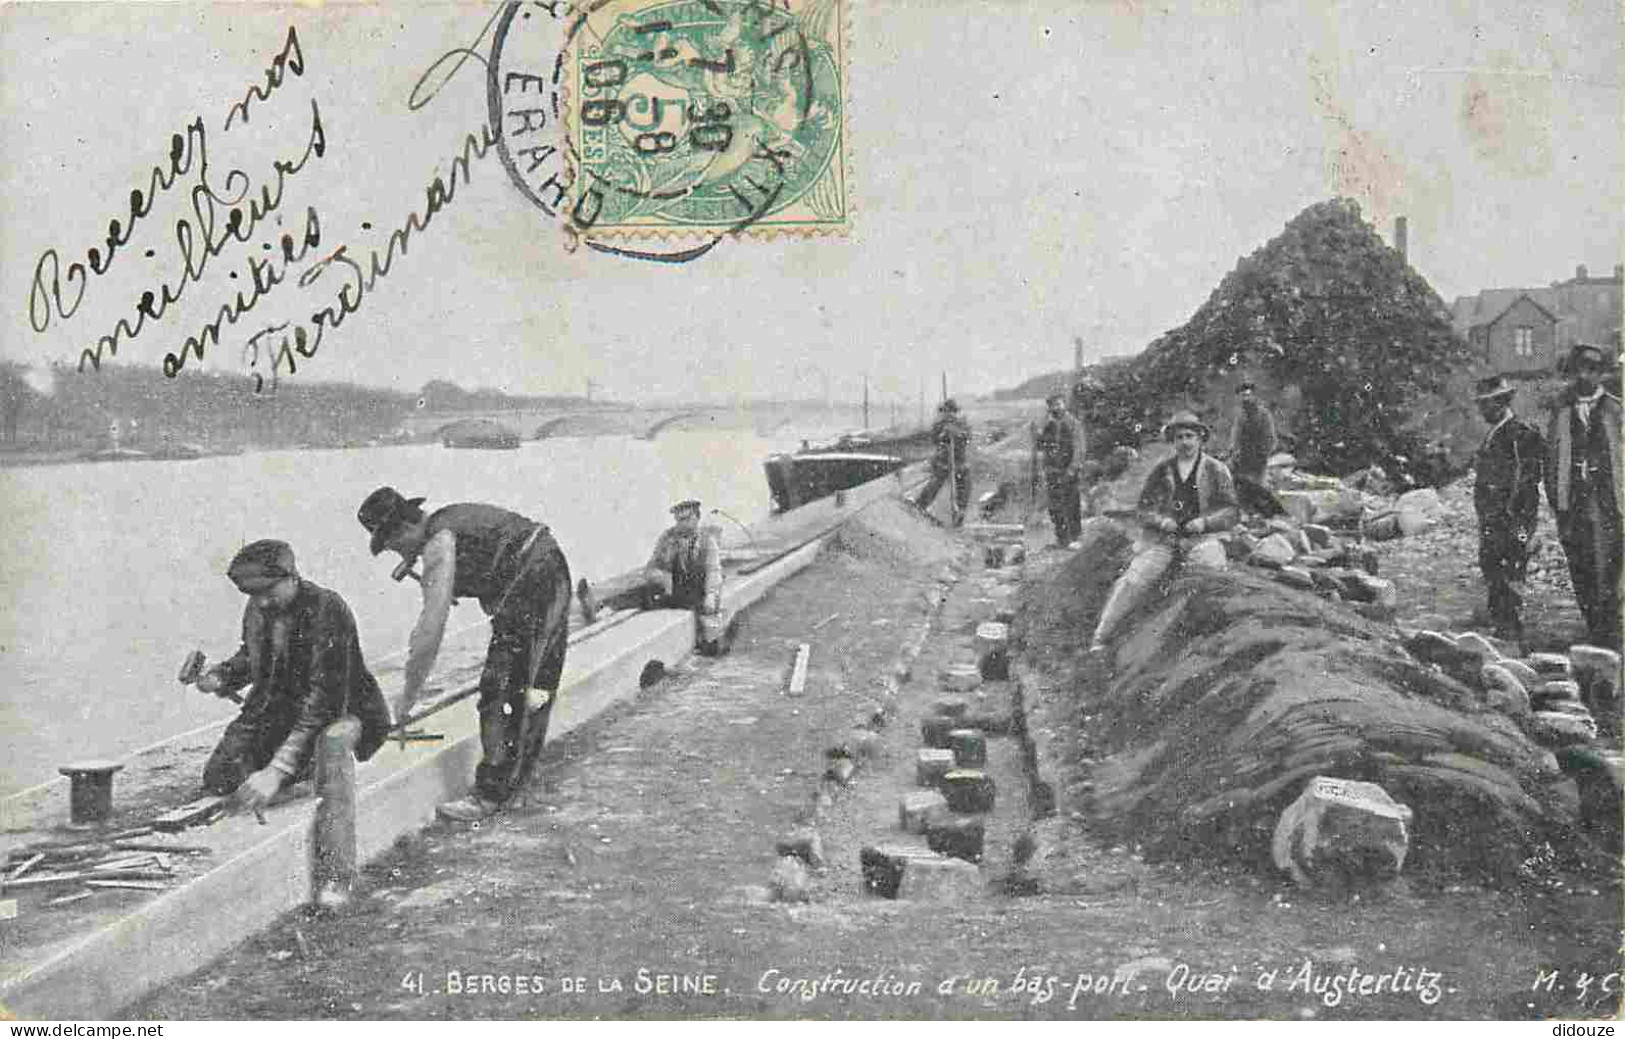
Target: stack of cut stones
x=1560, y=699
x=1311, y=557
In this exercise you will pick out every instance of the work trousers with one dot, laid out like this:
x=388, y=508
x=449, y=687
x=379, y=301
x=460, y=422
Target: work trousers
x=1154, y=554
x=248, y=745
x=939, y=476
x=1065, y=509
x=1503, y=557
x=1589, y=531
x=529, y=634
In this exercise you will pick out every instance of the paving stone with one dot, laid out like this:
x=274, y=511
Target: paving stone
x=804, y=844
x=1295, y=577
x=1565, y=706
x=789, y=881
x=916, y=810
x=957, y=836
x=994, y=723
x=1273, y=552
x=934, y=730
x=841, y=770
x=1319, y=537
x=960, y=678
x=1556, y=729
x=882, y=866
x=969, y=747
x=932, y=764
x=1473, y=642
x=1522, y=672
x=940, y=879
x=968, y=790
x=1554, y=665
x=1502, y=690
x=1597, y=671
x=951, y=707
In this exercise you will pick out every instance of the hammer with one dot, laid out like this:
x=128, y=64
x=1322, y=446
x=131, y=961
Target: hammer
x=403, y=570
x=192, y=670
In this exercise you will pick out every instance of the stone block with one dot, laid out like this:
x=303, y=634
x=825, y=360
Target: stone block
x=1341, y=830
x=1555, y=689
x=1597, y=671
x=841, y=770
x=1238, y=546
x=1295, y=577
x=859, y=745
x=968, y=790
x=991, y=722
x=950, y=706
x=969, y=747
x=803, y=844
x=1556, y=729
x=916, y=810
x=1319, y=537
x=991, y=636
x=1502, y=690
x=1430, y=647
x=959, y=837
x=1552, y=665
x=1375, y=611
x=939, y=879
x=1273, y=552
x=932, y=764
x=960, y=678
x=882, y=867
x=1522, y=672
x=1564, y=706
x=1377, y=590
x=789, y=881
x=1473, y=642
x=935, y=729
x=1412, y=522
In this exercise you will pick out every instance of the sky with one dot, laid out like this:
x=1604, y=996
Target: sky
x=1021, y=174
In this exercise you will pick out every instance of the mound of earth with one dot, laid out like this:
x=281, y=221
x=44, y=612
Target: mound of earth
x=1228, y=693
x=892, y=534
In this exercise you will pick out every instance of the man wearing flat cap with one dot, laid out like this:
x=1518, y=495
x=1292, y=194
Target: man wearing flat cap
x=1506, y=496
x=1582, y=485
x=301, y=654
x=684, y=573
x=516, y=570
x=1185, y=501
x=951, y=433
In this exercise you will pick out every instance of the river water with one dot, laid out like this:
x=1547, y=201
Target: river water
x=110, y=573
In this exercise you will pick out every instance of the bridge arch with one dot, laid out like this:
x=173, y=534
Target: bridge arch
x=669, y=421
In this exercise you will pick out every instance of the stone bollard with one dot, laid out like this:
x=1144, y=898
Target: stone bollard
x=968, y=790
x=804, y=844
x=960, y=678
x=959, y=837
x=931, y=765
x=992, y=650
x=916, y=811
x=789, y=881
x=969, y=747
x=333, y=846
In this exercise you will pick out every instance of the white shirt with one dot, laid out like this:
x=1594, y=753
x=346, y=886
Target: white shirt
x=1583, y=405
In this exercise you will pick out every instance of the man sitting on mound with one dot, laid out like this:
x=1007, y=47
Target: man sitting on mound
x=1185, y=501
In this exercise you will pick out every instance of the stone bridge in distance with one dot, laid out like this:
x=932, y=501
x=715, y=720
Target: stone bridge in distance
x=644, y=423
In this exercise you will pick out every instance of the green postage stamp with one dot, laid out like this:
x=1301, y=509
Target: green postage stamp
x=700, y=116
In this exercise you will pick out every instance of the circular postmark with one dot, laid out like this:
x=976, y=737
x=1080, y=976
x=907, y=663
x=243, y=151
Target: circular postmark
x=700, y=118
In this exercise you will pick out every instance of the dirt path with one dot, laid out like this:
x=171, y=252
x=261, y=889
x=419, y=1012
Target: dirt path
x=634, y=881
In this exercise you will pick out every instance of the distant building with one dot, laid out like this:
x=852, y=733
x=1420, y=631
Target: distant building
x=1517, y=330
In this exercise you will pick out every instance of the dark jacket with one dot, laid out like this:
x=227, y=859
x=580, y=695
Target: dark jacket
x=951, y=432
x=1563, y=452
x=1060, y=443
x=1506, y=487
x=306, y=668
x=1252, y=442
x=1215, y=491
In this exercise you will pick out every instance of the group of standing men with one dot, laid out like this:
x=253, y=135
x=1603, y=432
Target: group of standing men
x=1577, y=462
x=302, y=656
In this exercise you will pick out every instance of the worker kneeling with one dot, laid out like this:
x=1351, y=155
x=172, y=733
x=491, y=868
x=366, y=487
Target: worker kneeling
x=683, y=573
x=301, y=654
x=1186, y=500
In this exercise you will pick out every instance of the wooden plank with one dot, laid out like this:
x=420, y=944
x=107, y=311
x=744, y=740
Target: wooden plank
x=78, y=896
x=798, y=674
x=26, y=866
x=139, y=885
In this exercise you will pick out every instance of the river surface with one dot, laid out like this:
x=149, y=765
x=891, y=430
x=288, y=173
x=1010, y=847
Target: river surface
x=110, y=573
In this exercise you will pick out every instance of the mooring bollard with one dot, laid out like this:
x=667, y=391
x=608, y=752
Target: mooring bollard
x=90, y=791
x=333, y=848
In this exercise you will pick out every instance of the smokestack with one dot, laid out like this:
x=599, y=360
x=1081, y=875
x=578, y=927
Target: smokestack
x=1400, y=238
x=1580, y=272
x=1077, y=353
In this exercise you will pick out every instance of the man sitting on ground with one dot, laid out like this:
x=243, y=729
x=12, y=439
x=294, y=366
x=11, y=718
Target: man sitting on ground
x=1185, y=501
x=684, y=573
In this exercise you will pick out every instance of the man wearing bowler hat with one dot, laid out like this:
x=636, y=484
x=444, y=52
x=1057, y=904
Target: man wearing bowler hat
x=515, y=569
x=1506, y=496
x=301, y=654
x=1185, y=500
x=1582, y=485
x=684, y=572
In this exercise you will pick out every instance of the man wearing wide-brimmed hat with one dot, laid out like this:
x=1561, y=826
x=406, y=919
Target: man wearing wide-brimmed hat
x=301, y=654
x=1185, y=501
x=515, y=569
x=1583, y=487
x=1506, y=496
